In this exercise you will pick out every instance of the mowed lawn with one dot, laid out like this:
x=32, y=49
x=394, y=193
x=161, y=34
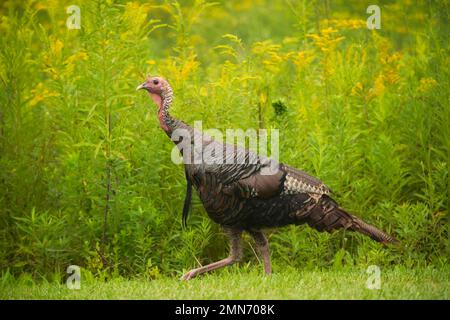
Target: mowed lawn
x=235, y=283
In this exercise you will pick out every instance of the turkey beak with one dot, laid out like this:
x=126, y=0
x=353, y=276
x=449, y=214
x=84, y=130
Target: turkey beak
x=141, y=86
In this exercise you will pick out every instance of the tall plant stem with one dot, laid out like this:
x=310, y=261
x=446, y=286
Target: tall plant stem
x=108, y=168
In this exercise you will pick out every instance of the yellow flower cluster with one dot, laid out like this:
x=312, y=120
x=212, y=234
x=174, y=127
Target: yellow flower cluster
x=378, y=87
x=391, y=66
x=178, y=68
x=426, y=84
x=71, y=61
x=302, y=59
x=390, y=62
x=357, y=90
x=134, y=16
x=269, y=55
x=377, y=90
x=326, y=40
x=40, y=93
x=53, y=57
x=56, y=46
x=345, y=23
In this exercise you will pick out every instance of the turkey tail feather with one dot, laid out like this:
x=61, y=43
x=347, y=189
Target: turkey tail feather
x=371, y=231
x=326, y=215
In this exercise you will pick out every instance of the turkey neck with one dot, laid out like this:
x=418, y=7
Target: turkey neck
x=164, y=101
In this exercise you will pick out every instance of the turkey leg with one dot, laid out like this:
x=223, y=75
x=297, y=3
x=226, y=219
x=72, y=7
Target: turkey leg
x=263, y=247
x=235, y=256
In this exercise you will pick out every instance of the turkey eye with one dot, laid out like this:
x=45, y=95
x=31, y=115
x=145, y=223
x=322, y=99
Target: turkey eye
x=155, y=82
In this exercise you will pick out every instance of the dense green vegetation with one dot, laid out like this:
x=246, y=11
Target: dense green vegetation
x=85, y=171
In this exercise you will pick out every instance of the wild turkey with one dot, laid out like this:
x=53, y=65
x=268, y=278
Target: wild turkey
x=239, y=197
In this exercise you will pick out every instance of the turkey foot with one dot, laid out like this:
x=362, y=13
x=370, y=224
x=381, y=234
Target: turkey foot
x=216, y=265
x=235, y=256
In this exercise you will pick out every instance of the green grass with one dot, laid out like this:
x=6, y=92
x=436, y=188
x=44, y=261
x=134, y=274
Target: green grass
x=234, y=283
